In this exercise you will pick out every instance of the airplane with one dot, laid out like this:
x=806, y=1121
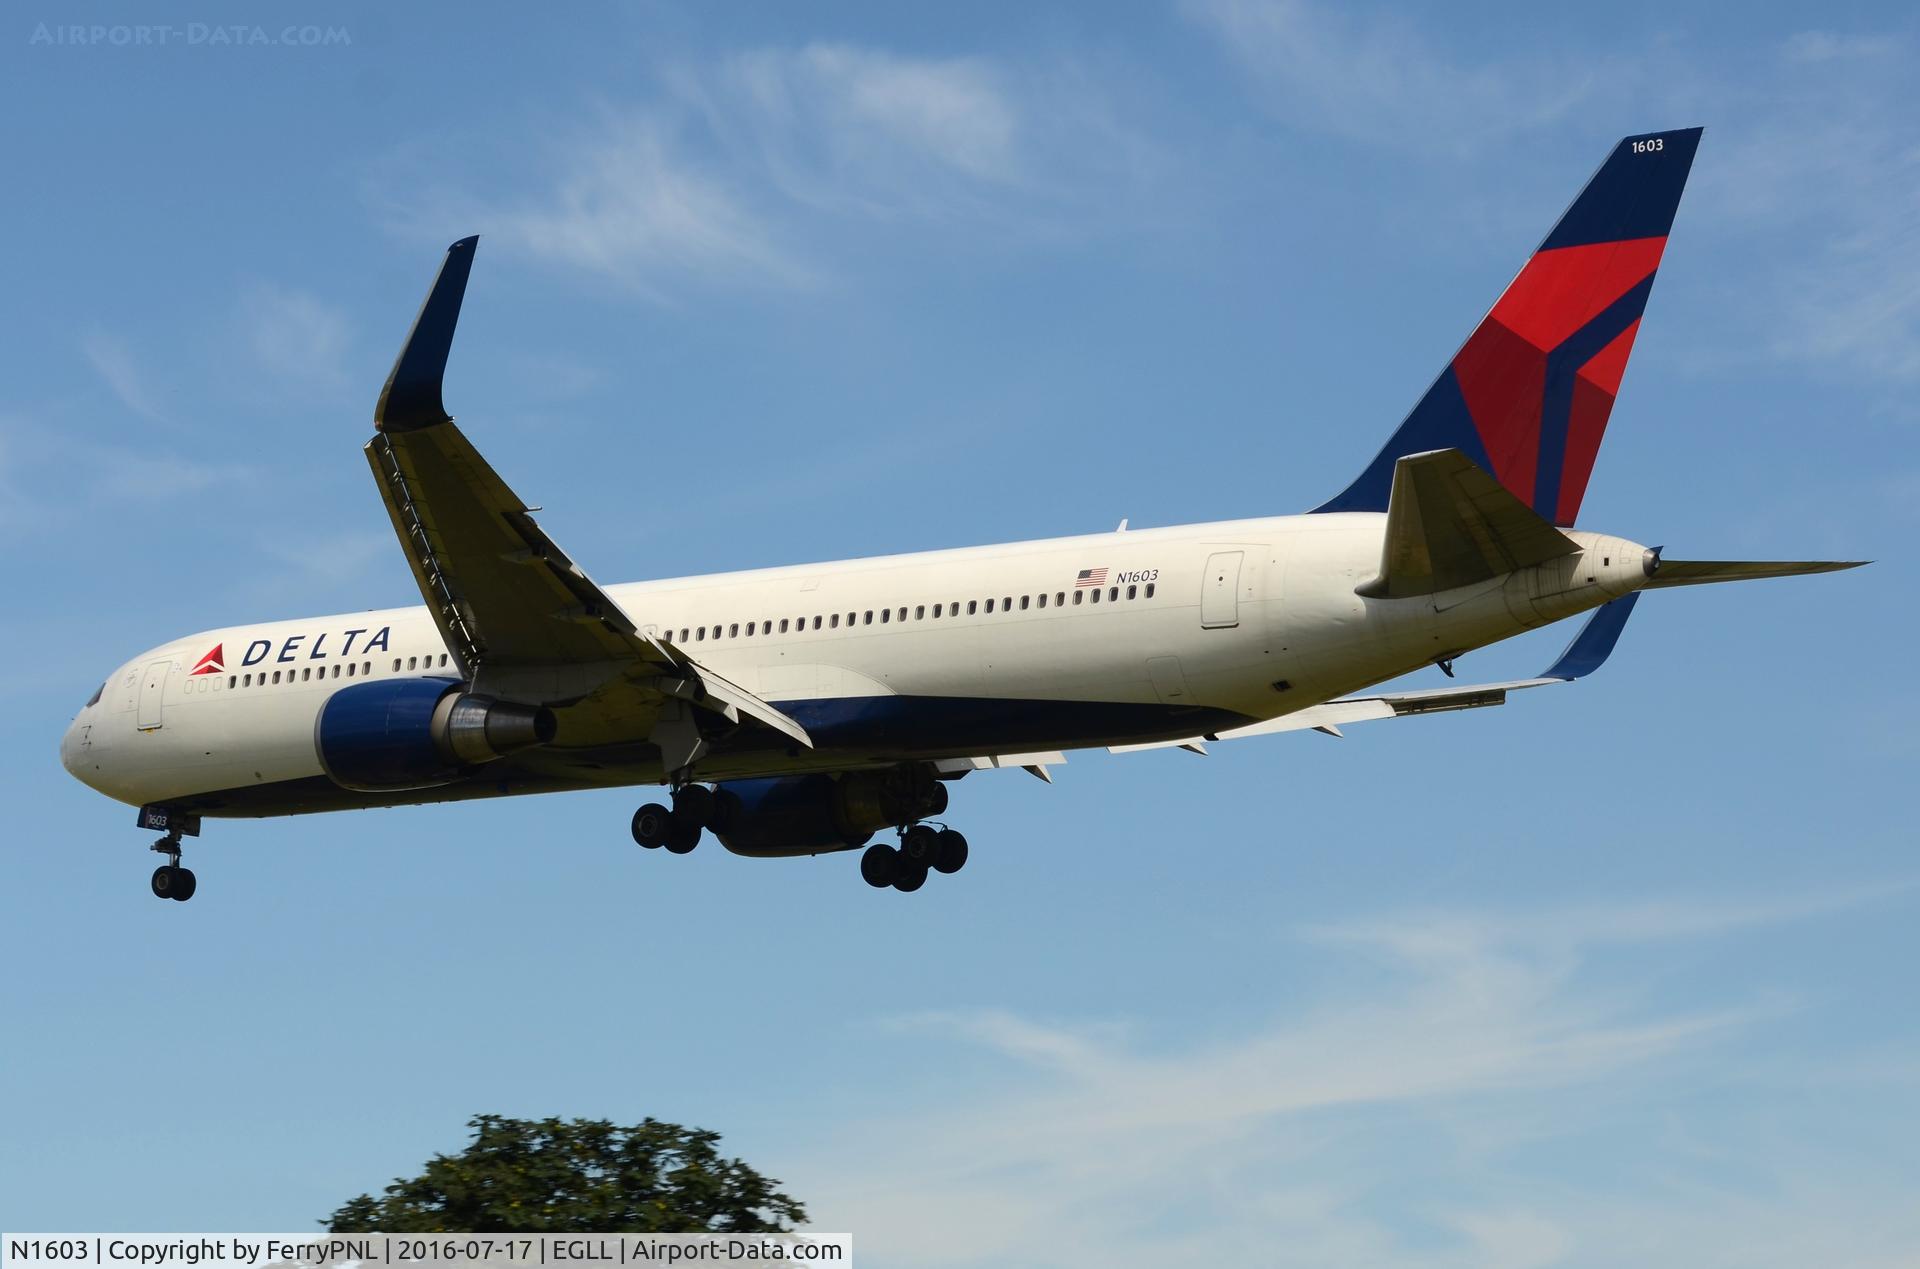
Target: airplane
x=802, y=710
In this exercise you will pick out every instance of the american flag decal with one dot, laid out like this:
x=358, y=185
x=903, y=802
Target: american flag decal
x=1090, y=577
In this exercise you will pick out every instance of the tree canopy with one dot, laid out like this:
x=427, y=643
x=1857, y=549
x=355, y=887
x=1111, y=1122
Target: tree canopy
x=572, y=1176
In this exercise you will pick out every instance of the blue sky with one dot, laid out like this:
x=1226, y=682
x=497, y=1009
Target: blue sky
x=1617, y=974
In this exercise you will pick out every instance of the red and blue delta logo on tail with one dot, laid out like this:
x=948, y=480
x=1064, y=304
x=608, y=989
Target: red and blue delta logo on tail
x=1528, y=395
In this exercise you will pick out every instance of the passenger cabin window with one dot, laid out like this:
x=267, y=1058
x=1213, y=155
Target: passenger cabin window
x=836, y=622
x=989, y=605
x=1133, y=592
x=816, y=623
x=733, y=630
x=1079, y=595
x=1043, y=599
x=1113, y=592
x=869, y=620
x=1024, y=601
x=919, y=612
x=1060, y=599
x=1149, y=590
x=973, y=606
x=885, y=613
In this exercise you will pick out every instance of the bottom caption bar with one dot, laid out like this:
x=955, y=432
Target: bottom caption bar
x=308, y=1251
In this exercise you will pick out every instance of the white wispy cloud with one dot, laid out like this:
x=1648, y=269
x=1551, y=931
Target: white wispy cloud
x=293, y=333
x=47, y=474
x=1821, y=183
x=635, y=204
x=1379, y=78
x=1110, y=1147
x=1827, y=46
x=114, y=362
x=769, y=166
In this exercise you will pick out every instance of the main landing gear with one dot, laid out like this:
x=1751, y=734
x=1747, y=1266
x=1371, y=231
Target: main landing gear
x=923, y=848
x=678, y=829
x=170, y=880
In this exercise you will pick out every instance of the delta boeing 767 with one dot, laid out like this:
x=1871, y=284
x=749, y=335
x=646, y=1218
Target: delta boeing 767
x=802, y=710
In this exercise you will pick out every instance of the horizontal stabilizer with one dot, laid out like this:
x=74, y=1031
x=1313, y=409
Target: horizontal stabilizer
x=1702, y=572
x=1451, y=524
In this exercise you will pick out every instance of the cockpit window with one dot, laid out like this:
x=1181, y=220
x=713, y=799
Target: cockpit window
x=95, y=698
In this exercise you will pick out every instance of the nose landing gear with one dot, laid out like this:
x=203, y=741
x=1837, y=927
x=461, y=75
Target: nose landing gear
x=170, y=880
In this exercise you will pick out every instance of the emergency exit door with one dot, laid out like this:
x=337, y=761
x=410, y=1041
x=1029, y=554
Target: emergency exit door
x=1220, y=590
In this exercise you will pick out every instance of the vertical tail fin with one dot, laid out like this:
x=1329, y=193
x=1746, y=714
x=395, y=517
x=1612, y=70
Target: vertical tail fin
x=1528, y=395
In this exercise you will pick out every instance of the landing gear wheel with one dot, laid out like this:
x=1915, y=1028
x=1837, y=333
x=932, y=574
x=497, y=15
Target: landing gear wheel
x=910, y=877
x=949, y=851
x=173, y=882
x=652, y=824
x=694, y=804
x=879, y=866
x=917, y=845
x=682, y=837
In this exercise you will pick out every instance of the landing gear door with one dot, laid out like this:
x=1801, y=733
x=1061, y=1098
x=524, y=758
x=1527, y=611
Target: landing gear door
x=1220, y=590
x=153, y=692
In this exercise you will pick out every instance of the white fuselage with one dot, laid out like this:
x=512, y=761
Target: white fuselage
x=1232, y=621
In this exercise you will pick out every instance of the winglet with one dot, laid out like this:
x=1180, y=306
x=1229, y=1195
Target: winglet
x=411, y=398
x=1591, y=647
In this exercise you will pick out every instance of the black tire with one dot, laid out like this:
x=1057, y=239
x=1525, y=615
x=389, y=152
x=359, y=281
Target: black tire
x=917, y=845
x=910, y=877
x=949, y=851
x=682, y=837
x=651, y=825
x=184, y=885
x=165, y=878
x=879, y=866
x=694, y=804
x=936, y=801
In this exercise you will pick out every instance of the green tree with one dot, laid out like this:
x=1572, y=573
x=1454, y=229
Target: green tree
x=576, y=1175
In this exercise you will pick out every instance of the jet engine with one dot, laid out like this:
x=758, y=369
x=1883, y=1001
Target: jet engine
x=418, y=733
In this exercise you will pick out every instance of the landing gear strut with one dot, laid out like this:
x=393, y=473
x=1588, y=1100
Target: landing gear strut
x=170, y=880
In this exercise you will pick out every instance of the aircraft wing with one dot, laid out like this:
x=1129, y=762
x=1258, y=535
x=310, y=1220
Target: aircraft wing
x=514, y=608
x=1588, y=651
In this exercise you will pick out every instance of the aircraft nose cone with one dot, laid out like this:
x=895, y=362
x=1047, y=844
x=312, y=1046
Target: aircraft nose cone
x=70, y=748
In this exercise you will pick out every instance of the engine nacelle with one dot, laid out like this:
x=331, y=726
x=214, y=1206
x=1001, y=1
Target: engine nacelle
x=813, y=814
x=417, y=733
